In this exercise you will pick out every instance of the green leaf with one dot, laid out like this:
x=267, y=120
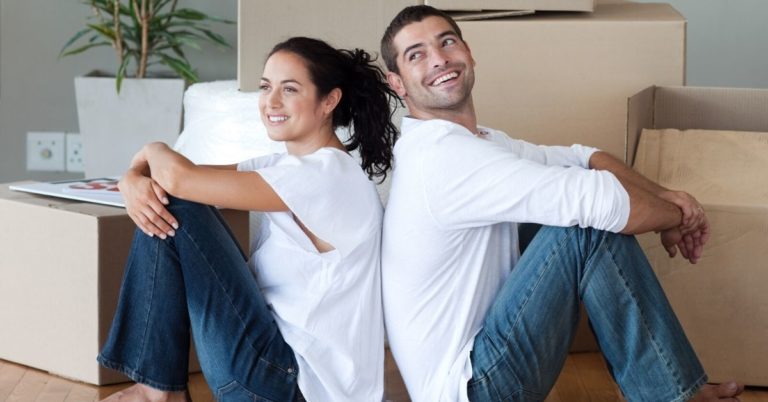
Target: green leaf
x=84, y=48
x=181, y=67
x=216, y=37
x=74, y=39
x=103, y=29
x=121, y=73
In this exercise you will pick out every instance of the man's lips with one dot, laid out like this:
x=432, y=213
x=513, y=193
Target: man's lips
x=444, y=77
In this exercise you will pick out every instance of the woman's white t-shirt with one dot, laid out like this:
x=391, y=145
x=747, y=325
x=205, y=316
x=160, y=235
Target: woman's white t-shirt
x=327, y=305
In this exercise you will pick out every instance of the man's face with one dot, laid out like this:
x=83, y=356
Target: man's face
x=436, y=68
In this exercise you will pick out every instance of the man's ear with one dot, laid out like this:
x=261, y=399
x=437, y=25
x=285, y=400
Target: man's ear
x=396, y=83
x=474, y=62
x=332, y=100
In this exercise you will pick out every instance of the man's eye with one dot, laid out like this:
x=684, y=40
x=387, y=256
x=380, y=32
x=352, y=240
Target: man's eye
x=414, y=56
x=449, y=41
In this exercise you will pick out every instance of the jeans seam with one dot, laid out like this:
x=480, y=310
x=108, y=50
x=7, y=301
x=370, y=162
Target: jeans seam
x=219, y=283
x=138, y=377
x=151, y=300
x=659, y=352
x=687, y=394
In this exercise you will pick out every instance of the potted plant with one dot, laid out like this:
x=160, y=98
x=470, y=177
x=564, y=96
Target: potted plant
x=119, y=113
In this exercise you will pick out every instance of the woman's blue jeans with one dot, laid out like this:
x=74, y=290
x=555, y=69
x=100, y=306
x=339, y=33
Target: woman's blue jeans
x=526, y=334
x=198, y=281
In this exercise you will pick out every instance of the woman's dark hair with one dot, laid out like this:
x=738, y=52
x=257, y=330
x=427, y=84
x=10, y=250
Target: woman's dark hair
x=365, y=98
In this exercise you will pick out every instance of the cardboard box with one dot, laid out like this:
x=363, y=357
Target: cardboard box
x=721, y=301
x=61, y=266
x=564, y=78
x=538, y=5
x=342, y=23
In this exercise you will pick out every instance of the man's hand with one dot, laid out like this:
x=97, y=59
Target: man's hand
x=691, y=244
x=145, y=203
x=693, y=212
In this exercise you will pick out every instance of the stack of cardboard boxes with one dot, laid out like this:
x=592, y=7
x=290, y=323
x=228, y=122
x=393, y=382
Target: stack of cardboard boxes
x=563, y=75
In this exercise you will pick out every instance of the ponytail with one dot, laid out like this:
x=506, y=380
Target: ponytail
x=366, y=101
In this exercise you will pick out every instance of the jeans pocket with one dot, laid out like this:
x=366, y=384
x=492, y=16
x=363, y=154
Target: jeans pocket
x=235, y=392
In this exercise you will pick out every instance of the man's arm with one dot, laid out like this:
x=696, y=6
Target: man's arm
x=676, y=214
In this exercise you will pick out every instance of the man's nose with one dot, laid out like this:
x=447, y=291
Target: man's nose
x=438, y=58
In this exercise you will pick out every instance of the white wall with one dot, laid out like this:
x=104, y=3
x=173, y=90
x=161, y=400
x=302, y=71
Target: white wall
x=37, y=89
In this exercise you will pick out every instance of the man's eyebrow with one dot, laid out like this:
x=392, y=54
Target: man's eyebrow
x=439, y=36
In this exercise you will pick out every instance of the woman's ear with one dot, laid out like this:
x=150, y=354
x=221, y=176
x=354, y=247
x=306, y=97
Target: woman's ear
x=332, y=100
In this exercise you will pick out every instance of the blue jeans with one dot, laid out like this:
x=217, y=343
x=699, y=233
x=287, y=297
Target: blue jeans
x=198, y=281
x=526, y=334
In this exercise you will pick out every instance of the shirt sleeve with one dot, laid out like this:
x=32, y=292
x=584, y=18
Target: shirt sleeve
x=258, y=162
x=470, y=181
x=574, y=155
x=329, y=194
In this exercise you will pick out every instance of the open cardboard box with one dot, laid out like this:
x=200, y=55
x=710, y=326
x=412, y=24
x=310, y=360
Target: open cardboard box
x=721, y=301
x=61, y=266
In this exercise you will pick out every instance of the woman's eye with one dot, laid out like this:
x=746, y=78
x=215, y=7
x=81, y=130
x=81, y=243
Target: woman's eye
x=290, y=89
x=264, y=87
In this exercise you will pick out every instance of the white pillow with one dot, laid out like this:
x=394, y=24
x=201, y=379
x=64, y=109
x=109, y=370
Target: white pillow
x=222, y=125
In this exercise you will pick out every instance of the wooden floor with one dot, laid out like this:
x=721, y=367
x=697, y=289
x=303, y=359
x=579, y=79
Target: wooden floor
x=584, y=379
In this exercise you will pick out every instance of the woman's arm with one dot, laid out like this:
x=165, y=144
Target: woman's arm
x=222, y=186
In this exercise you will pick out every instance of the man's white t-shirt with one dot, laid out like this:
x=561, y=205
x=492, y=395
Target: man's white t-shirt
x=327, y=305
x=450, y=237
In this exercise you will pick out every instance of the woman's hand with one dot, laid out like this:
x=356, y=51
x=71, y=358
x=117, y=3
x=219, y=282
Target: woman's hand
x=145, y=203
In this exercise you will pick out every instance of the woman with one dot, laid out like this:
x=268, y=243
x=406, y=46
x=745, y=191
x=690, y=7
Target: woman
x=309, y=325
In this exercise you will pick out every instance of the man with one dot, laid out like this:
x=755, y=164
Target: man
x=461, y=325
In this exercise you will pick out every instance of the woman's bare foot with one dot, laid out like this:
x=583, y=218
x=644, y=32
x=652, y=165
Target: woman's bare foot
x=727, y=391
x=143, y=393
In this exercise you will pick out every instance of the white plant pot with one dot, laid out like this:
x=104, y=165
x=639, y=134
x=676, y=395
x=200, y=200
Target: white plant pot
x=115, y=126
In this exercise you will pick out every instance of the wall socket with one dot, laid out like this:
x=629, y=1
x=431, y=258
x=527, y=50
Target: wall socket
x=74, y=153
x=45, y=151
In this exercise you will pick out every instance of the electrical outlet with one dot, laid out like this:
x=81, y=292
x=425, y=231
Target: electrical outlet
x=45, y=151
x=75, y=153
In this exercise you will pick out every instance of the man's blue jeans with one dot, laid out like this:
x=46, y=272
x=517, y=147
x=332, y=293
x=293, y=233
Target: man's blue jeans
x=198, y=281
x=526, y=334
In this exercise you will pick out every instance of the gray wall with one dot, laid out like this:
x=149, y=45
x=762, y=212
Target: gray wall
x=37, y=89
x=727, y=42
x=727, y=46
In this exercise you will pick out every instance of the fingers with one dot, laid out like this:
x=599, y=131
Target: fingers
x=145, y=203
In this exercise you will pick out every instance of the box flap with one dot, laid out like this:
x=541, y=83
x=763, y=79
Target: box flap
x=717, y=167
x=738, y=109
x=488, y=15
x=639, y=116
x=477, y=5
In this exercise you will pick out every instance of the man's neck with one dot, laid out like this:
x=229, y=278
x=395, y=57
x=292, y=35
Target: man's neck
x=464, y=116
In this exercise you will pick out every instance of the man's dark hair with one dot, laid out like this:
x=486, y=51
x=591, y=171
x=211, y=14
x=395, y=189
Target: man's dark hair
x=408, y=16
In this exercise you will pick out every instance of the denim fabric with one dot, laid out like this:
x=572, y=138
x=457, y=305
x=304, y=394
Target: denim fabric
x=526, y=334
x=198, y=281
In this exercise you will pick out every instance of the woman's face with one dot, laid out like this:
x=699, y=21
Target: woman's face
x=289, y=106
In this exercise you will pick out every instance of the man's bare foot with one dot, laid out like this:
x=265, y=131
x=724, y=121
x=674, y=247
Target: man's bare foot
x=727, y=391
x=143, y=393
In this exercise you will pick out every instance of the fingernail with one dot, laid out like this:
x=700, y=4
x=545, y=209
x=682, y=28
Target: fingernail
x=171, y=233
x=165, y=200
x=175, y=225
x=150, y=234
x=162, y=236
